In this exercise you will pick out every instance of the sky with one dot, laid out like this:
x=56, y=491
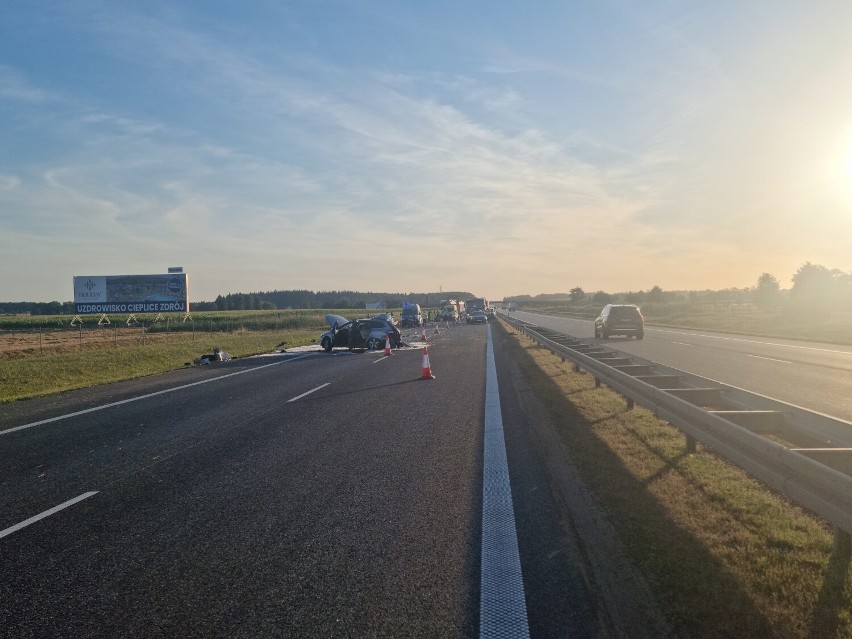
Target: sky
x=500, y=148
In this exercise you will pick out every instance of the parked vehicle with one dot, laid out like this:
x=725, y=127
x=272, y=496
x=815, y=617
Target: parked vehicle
x=361, y=334
x=476, y=304
x=411, y=316
x=477, y=317
x=450, y=310
x=620, y=319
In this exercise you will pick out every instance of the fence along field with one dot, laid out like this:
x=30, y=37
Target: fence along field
x=27, y=336
x=45, y=355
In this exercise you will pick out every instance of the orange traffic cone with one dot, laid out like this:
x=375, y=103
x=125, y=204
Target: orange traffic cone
x=387, y=346
x=423, y=334
x=427, y=370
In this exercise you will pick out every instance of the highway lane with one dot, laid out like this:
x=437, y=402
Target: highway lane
x=814, y=375
x=216, y=506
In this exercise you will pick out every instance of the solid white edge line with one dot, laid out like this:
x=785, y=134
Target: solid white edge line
x=502, y=609
x=141, y=397
x=46, y=513
x=313, y=390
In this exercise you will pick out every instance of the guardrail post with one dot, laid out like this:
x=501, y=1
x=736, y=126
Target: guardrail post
x=576, y=368
x=690, y=444
x=630, y=404
x=597, y=382
x=842, y=545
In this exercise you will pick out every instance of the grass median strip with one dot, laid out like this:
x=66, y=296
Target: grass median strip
x=725, y=556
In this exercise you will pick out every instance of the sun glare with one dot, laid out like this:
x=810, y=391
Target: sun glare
x=847, y=164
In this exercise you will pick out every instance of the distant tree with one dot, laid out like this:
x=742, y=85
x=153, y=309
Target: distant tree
x=602, y=298
x=655, y=294
x=813, y=283
x=767, y=293
x=577, y=295
x=843, y=285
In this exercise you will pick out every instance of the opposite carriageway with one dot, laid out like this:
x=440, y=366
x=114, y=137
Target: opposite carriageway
x=799, y=453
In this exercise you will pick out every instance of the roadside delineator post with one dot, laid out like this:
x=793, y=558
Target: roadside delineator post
x=388, y=351
x=427, y=370
x=423, y=334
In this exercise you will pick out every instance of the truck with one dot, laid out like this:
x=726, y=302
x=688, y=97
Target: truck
x=476, y=304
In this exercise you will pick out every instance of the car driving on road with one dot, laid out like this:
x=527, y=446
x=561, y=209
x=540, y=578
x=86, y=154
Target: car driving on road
x=362, y=334
x=620, y=319
x=477, y=317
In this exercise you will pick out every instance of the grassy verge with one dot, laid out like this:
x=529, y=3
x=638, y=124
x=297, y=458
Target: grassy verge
x=725, y=557
x=36, y=376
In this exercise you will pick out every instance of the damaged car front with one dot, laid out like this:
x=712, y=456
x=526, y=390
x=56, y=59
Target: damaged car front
x=360, y=334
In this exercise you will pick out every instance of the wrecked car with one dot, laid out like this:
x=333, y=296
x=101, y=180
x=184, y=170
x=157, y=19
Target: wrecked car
x=359, y=334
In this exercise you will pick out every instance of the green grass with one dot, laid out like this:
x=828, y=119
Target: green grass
x=724, y=556
x=199, y=322
x=170, y=343
x=36, y=376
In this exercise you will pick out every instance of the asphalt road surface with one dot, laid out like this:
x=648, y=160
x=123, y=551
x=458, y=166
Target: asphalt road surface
x=813, y=375
x=302, y=494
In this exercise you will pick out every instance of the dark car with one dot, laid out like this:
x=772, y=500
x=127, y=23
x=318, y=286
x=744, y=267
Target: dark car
x=477, y=317
x=620, y=319
x=361, y=334
x=411, y=316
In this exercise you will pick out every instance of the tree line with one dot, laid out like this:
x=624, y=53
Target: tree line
x=271, y=300
x=268, y=300
x=813, y=286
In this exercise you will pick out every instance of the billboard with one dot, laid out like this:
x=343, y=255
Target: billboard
x=164, y=293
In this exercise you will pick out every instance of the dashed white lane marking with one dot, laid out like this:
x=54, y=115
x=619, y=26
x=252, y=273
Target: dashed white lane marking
x=313, y=390
x=756, y=341
x=503, y=609
x=46, y=513
x=141, y=397
x=770, y=359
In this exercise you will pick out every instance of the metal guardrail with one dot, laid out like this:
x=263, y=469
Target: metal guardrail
x=799, y=453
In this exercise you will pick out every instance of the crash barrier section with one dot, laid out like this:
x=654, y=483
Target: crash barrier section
x=814, y=470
